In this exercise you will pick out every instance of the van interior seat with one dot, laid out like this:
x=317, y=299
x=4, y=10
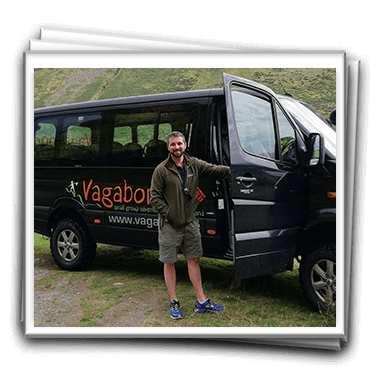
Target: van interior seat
x=156, y=148
x=117, y=147
x=134, y=150
x=94, y=150
x=77, y=151
x=43, y=151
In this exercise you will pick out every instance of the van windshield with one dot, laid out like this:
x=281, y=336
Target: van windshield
x=311, y=122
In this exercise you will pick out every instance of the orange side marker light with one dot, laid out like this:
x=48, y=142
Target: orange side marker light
x=331, y=195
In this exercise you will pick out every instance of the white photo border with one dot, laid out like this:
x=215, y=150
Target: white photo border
x=238, y=59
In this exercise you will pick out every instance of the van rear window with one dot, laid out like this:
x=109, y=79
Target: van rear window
x=45, y=133
x=79, y=139
x=71, y=140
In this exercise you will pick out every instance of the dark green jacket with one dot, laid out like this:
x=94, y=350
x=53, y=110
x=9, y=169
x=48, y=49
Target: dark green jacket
x=167, y=195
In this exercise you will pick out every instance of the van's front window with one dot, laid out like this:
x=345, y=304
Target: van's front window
x=309, y=120
x=254, y=122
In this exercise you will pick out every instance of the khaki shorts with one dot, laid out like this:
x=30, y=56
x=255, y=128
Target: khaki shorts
x=171, y=240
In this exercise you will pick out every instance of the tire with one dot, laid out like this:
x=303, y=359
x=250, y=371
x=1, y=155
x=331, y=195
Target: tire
x=71, y=245
x=318, y=277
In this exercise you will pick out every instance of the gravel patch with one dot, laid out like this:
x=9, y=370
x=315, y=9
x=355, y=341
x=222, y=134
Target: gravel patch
x=59, y=306
x=137, y=309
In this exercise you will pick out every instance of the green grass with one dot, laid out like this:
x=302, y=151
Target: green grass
x=316, y=86
x=41, y=246
x=275, y=301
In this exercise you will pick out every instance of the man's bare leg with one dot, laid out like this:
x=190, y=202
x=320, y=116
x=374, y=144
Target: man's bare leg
x=170, y=279
x=195, y=278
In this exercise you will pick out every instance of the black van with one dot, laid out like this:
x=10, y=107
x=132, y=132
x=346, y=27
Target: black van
x=94, y=162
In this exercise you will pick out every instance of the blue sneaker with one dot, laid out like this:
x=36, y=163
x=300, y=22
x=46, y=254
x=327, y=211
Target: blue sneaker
x=175, y=310
x=207, y=306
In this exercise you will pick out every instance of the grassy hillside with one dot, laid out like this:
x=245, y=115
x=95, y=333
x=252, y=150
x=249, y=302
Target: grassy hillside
x=60, y=86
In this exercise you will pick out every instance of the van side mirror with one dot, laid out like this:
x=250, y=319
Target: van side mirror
x=316, y=150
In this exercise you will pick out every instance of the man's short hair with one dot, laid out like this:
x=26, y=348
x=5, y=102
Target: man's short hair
x=176, y=134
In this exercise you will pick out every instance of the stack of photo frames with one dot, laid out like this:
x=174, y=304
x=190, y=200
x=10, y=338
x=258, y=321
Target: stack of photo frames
x=277, y=236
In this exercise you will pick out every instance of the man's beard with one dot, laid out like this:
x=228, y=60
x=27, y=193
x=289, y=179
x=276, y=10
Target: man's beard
x=177, y=154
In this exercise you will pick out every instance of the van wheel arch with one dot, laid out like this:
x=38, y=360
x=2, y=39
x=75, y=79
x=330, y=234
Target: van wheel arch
x=64, y=212
x=317, y=234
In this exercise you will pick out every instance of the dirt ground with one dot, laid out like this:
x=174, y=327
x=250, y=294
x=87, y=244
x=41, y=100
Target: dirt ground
x=59, y=303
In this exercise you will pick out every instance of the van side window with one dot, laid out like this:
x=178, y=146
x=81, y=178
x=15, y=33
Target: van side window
x=287, y=138
x=254, y=121
x=45, y=133
x=131, y=131
x=79, y=140
x=123, y=135
x=140, y=138
x=145, y=134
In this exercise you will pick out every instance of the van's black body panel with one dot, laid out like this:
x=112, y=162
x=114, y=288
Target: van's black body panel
x=94, y=162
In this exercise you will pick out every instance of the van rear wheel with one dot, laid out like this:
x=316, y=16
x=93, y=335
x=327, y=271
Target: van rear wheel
x=318, y=277
x=71, y=245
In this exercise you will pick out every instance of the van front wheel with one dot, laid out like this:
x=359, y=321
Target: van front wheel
x=71, y=245
x=318, y=276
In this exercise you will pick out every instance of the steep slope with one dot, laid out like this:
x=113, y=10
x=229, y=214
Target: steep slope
x=59, y=86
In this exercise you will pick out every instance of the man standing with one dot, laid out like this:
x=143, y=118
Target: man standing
x=173, y=194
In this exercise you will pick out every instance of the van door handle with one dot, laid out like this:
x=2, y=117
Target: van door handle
x=245, y=179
